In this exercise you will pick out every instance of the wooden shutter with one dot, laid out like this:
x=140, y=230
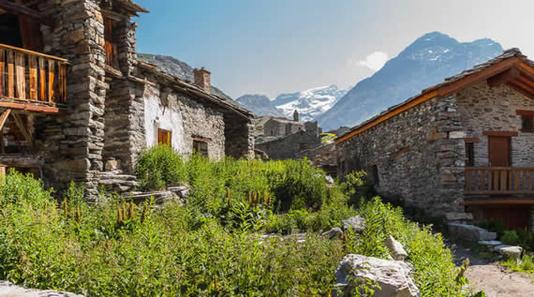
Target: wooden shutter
x=109, y=45
x=164, y=137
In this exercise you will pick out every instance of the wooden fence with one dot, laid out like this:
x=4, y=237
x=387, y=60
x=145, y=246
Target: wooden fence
x=499, y=180
x=31, y=76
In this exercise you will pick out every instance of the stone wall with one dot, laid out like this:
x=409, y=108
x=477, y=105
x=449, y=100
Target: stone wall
x=71, y=143
x=412, y=158
x=494, y=109
x=185, y=118
x=290, y=146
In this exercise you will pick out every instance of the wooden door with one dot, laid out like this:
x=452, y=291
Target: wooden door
x=513, y=217
x=499, y=151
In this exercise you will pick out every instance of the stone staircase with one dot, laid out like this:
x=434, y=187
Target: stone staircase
x=117, y=181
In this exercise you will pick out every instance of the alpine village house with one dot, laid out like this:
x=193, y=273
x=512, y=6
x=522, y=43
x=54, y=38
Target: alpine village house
x=462, y=149
x=77, y=104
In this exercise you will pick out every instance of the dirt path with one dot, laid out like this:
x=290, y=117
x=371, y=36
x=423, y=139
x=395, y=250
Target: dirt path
x=493, y=279
x=496, y=282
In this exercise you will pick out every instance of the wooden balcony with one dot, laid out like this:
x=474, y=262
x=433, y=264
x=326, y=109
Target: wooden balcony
x=31, y=81
x=499, y=181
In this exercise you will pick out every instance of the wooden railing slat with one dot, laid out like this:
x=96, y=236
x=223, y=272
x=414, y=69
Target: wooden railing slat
x=51, y=81
x=33, y=77
x=42, y=79
x=20, y=67
x=10, y=74
x=2, y=71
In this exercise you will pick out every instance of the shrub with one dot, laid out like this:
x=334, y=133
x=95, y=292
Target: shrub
x=526, y=264
x=510, y=237
x=159, y=167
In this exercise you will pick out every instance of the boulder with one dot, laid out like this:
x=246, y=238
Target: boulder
x=470, y=232
x=334, y=233
x=389, y=278
x=510, y=251
x=355, y=223
x=181, y=191
x=329, y=180
x=396, y=250
x=8, y=289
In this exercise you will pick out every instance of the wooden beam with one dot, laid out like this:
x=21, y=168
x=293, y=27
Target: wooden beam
x=22, y=128
x=505, y=201
x=24, y=161
x=28, y=106
x=3, y=118
x=20, y=9
x=503, y=77
x=500, y=133
x=476, y=77
x=521, y=90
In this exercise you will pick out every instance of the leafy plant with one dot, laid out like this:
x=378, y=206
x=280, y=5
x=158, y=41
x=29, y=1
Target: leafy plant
x=159, y=167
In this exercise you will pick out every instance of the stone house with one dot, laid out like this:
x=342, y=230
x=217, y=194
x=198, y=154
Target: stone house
x=275, y=127
x=77, y=104
x=288, y=147
x=462, y=147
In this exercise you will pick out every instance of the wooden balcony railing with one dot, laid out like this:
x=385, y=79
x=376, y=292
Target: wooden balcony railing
x=32, y=77
x=498, y=180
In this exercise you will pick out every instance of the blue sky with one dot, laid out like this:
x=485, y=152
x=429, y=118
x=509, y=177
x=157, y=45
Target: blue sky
x=275, y=46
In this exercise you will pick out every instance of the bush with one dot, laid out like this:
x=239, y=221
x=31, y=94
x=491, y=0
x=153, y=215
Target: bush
x=510, y=237
x=211, y=246
x=434, y=274
x=526, y=264
x=159, y=167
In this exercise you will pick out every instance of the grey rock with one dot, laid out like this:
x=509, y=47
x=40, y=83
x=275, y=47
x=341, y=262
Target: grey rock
x=392, y=277
x=8, y=289
x=334, y=233
x=396, y=250
x=470, y=232
x=509, y=251
x=329, y=180
x=355, y=223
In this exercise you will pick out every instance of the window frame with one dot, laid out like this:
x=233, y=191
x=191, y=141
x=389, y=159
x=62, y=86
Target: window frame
x=527, y=116
x=164, y=137
x=201, y=147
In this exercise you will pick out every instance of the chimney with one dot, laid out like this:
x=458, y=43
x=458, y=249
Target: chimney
x=203, y=79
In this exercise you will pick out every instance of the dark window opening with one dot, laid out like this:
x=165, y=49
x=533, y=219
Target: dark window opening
x=288, y=129
x=10, y=30
x=164, y=137
x=110, y=43
x=527, y=123
x=200, y=147
x=375, y=176
x=470, y=154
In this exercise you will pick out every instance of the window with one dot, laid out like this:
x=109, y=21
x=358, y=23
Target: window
x=110, y=42
x=527, y=120
x=200, y=147
x=470, y=154
x=527, y=123
x=164, y=137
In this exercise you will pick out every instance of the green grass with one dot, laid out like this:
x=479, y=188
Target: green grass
x=211, y=246
x=526, y=264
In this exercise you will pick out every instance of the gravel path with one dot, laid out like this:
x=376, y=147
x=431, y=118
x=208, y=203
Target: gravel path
x=492, y=278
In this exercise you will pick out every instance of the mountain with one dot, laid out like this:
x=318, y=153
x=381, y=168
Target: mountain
x=310, y=103
x=260, y=105
x=427, y=61
x=180, y=69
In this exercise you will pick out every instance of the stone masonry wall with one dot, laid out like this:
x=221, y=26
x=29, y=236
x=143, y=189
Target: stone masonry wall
x=494, y=109
x=290, y=146
x=72, y=142
x=417, y=157
x=185, y=118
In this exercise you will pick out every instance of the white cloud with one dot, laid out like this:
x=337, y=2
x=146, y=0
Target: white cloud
x=374, y=60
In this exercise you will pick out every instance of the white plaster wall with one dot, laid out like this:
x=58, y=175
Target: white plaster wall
x=159, y=116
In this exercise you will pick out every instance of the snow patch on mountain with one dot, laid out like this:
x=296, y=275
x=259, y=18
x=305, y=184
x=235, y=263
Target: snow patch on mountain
x=309, y=103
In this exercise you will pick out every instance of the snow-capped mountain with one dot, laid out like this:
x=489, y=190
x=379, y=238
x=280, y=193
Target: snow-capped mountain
x=427, y=61
x=310, y=103
x=260, y=105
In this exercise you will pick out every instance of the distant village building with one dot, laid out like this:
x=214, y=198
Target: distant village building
x=77, y=104
x=465, y=145
x=289, y=145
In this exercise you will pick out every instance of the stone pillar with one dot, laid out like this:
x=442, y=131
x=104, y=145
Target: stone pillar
x=72, y=142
